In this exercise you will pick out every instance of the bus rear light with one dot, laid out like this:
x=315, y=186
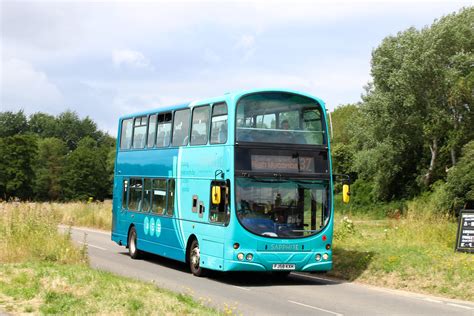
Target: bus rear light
x=325, y=256
x=236, y=245
x=249, y=257
x=328, y=246
x=240, y=256
x=324, y=238
x=317, y=257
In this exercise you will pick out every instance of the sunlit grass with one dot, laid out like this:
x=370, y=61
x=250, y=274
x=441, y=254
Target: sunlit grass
x=414, y=252
x=43, y=272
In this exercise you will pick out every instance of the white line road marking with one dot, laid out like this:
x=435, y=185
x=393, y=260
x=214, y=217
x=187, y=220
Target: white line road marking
x=93, y=246
x=242, y=288
x=461, y=306
x=431, y=300
x=317, y=308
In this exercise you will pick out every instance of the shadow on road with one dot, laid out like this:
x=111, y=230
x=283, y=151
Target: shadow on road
x=245, y=279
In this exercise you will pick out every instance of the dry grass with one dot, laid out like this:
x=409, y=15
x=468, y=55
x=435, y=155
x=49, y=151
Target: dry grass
x=49, y=288
x=42, y=272
x=28, y=232
x=414, y=253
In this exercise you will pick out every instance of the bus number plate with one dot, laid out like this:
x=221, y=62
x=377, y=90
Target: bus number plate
x=283, y=266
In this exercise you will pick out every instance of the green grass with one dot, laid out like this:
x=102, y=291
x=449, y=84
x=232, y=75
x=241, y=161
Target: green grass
x=53, y=288
x=41, y=271
x=413, y=250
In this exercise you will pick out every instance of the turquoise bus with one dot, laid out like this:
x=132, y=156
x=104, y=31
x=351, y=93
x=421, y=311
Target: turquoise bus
x=239, y=182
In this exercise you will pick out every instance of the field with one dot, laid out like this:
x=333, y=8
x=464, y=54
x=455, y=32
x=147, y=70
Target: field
x=410, y=249
x=41, y=271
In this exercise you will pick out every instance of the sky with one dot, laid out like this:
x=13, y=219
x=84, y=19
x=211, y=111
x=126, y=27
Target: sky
x=106, y=59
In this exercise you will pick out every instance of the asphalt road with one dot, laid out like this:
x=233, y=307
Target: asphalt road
x=252, y=294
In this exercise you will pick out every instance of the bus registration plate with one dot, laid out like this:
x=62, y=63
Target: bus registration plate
x=283, y=266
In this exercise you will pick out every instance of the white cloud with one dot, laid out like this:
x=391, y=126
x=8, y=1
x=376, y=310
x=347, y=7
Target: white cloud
x=22, y=86
x=130, y=58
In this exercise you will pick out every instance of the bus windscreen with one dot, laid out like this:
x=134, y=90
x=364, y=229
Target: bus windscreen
x=279, y=117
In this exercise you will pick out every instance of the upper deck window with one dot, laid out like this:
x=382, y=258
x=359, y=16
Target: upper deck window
x=200, y=125
x=139, y=132
x=163, y=133
x=152, y=130
x=181, y=128
x=126, y=136
x=219, y=124
x=279, y=117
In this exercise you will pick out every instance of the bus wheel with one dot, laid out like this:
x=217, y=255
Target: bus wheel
x=132, y=244
x=195, y=259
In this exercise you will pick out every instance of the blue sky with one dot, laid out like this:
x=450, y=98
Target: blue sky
x=105, y=59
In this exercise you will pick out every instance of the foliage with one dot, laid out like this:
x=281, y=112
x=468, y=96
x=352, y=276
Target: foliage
x=49, y=167
x=460, y=184
x=40, y=150
x=417, y=113
x=86, y=172
x=12, y=123
x=16, y=166
x=413, y=253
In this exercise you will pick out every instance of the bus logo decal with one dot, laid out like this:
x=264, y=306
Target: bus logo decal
x=146, y=225
x=152, y=226
x=157, y=228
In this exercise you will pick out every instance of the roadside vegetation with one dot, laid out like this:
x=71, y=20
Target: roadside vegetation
x=42, y=271
x=410, y=249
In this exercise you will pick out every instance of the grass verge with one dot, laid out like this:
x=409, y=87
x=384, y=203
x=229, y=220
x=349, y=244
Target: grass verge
x=41, y=271
x=52, y=288
x=413, y=251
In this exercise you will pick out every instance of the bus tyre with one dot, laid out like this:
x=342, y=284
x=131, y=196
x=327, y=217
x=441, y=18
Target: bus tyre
x=132, y=244
x=195, y=259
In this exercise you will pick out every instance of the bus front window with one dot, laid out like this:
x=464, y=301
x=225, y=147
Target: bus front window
x=283, y=209
x=279, y=117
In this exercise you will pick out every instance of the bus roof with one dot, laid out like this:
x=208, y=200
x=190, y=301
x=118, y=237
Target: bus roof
x=229, y=96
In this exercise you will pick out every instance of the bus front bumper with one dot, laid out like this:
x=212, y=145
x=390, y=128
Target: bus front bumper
x=232, y=265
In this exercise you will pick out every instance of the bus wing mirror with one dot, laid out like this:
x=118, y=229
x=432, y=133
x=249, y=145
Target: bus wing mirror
x=346, y=192
x=216, y=194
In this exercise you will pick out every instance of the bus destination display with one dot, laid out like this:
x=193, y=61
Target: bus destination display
x=282, y=163
x=465, y=240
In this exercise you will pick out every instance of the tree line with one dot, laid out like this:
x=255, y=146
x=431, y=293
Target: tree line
x=413, y=132
x=47, y=158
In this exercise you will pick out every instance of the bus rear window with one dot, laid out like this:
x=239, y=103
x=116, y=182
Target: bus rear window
x=279, y=117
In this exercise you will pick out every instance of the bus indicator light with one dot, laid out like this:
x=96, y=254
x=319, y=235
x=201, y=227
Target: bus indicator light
x=328, y=246
x=318, y=257
x=249, y=257
x=236, y=245
x=325, y=256
x=240, y=256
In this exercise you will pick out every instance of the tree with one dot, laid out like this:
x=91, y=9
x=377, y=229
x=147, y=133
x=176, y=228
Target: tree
x=86, y=173
x=49, y=167
x=13, y=123
x=418, y=110
x=42, y=124
x=16, y=174
x=460, y=182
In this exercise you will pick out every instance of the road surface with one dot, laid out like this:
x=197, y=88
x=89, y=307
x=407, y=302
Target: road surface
x=257, y=294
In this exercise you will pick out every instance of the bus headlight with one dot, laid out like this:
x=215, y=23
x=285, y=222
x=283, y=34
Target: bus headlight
x=325, y=256
x=318, y=257
x=240, y=256
x=249, y=257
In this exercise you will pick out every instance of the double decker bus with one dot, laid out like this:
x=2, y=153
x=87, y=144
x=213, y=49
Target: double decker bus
x=240, y=182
